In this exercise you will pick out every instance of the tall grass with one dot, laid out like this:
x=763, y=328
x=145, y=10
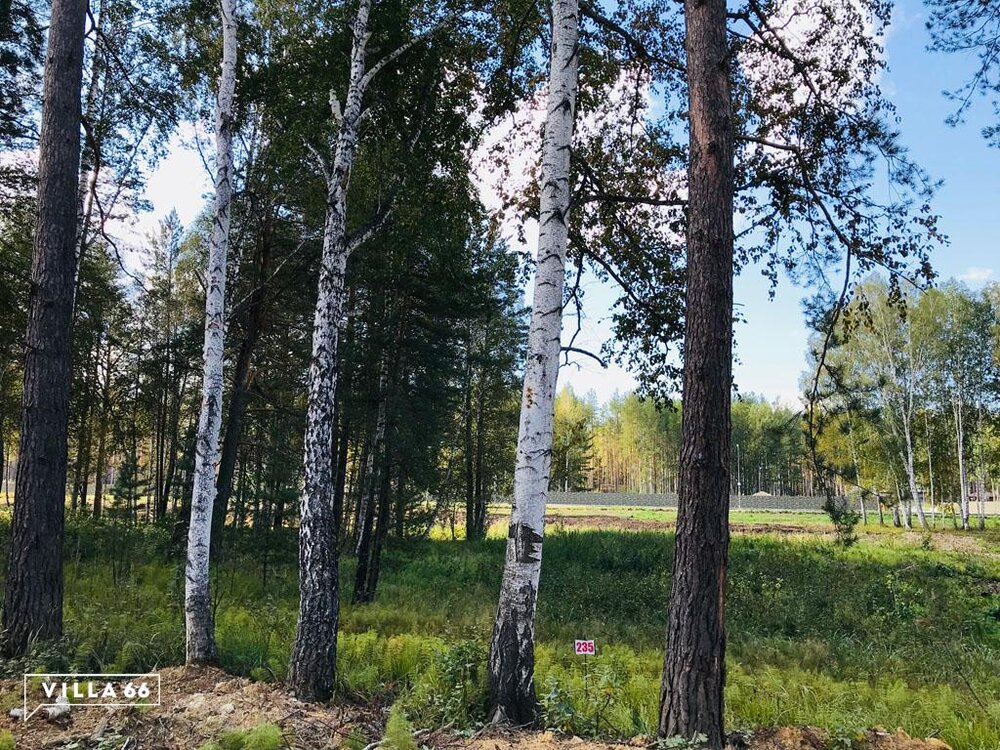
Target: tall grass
x=881, y=634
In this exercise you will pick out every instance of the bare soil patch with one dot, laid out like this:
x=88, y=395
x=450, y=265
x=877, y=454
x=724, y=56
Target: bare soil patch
x=199, y=704
x=779, y=738
x=623, y=523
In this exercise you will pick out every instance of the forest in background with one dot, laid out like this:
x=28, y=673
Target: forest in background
x=906, y=417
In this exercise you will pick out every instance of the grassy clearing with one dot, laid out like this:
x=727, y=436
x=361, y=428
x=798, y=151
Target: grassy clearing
x=891, y=632
x=807, y=520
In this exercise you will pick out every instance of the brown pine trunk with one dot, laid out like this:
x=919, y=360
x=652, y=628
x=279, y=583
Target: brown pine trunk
x=366, y=515
x=174, y=437
x=381, y=524
x=33, y=597
x=691, y=699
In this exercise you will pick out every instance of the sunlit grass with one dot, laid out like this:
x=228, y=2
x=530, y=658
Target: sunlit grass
x=888, y=632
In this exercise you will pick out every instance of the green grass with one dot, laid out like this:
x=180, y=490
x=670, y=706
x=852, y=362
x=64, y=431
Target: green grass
x=890, y=632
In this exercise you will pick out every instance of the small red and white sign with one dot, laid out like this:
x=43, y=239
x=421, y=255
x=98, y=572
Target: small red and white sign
x=584, y=648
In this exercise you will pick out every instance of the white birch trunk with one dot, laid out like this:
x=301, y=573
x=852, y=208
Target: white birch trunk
x=88, y=186
x=314, y=652
x=511, y=657
x=197, y=601
x=911, y=474
x=963, y=484
x=930, y=471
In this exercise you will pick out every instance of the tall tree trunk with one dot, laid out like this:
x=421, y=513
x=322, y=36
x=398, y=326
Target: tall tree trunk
x=911, y=474
x=91, y=417
x=382, y=520
x=81, y=435
x=479, y=506
x=314, y=652
x=87, y=188
x=470, y=486
x=197, y=601
x=857, y=472
x=340, y=486
x=3, y=449
x=691, y=697
x=512, y=645
x=33, y=596
x=241, y=385
x=358, y=487
x=82, y=446
x=157, y=467
x=102, y=435
x=383, y=517
x=369, y=497
x=930, y=470
x=175, y=426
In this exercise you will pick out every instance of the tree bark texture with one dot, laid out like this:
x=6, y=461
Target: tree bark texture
x=33, y=596
x=314, y=651
x=197, y=601
x=691, y=698
x=512, y=645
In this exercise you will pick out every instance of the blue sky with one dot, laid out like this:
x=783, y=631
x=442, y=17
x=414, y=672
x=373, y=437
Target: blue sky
x=771, y=343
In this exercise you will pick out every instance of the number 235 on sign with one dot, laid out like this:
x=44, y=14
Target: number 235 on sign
x=584, y=648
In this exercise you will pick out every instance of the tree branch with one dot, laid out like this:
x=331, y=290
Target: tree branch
x=375, y=69
x=584, y=352
x=634, y=42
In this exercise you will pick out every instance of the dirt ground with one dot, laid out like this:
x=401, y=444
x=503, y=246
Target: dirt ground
x=946, y=541
x=198, y=704
x=622, y=523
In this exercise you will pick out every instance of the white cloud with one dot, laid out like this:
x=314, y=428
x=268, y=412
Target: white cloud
x=976, y=275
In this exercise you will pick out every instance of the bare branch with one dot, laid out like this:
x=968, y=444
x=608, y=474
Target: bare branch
x=584, y=352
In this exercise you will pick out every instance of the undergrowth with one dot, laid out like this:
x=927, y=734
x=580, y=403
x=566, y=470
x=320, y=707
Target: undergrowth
x=883, y=633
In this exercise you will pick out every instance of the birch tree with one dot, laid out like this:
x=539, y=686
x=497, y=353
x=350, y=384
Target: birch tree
x=197, y=602
x=314, y=651
x=512, y=656
x=33, y=597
